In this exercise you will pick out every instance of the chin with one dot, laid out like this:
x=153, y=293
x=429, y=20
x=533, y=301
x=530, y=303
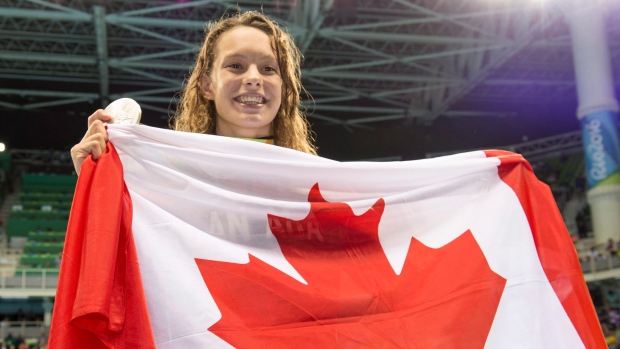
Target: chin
x=254, y=118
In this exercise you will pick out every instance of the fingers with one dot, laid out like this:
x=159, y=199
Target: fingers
x=94, y=141
x=94, y=144
x=100, y=115
x=97, y=127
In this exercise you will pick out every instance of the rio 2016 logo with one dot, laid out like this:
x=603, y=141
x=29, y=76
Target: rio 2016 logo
x=596, y=149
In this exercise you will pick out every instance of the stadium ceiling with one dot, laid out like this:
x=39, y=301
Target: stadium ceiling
x=367, y=62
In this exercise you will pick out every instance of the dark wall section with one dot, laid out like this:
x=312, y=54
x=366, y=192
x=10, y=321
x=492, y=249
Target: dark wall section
x=410, y=140
x=47, y=130
x=415, y=140
x=37, y=130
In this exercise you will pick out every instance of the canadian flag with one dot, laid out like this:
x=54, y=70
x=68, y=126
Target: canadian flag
x=180, y=240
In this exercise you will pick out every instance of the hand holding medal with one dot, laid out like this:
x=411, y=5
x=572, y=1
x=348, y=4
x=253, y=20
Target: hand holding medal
x=122, y=111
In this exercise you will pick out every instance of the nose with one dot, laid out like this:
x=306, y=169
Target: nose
x=253, y=77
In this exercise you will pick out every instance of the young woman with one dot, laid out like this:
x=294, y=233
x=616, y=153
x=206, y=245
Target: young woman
x=246, y=83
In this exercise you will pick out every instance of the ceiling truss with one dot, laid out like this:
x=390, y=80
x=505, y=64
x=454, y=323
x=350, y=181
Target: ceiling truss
x=367, y=61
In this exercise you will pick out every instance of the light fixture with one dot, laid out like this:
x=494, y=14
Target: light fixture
x=2, y=147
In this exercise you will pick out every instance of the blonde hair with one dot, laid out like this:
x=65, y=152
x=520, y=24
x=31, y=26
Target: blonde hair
x=197, y=114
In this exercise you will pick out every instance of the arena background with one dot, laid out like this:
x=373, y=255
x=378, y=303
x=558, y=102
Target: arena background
x=390, y=79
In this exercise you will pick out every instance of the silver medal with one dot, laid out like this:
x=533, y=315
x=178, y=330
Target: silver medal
x=125, y=111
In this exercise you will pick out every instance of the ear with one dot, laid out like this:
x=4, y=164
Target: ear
x=205, y=86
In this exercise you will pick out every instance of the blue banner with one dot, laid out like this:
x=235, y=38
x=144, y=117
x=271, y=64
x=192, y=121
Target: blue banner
x=602, y=148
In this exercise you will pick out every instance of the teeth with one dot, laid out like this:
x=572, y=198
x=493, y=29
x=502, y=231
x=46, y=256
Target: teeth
x=251, y=99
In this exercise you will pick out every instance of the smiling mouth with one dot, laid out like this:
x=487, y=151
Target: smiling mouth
x=251, y=100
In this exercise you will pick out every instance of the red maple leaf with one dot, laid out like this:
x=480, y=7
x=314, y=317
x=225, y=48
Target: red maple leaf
x=443, y=298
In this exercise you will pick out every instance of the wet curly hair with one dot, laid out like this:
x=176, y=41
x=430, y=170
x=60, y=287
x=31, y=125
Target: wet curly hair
x=195, y=113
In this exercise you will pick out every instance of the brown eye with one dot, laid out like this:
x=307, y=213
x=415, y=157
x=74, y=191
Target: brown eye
x=270, y=69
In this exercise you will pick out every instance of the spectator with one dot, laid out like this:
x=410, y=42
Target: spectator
x=614, y=318
x=612, y=298
x=580, y=220
x=553, y=176
x=610, y=339
x=580, y=184
x=10, y=340
x=610, y=247
x=42, y=339
x=593, y=254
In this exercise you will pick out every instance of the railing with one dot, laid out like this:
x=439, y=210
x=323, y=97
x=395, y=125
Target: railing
x=603, y=263
x=28, y=281
x=38, y=281
x=24, y=329
x=566, y=142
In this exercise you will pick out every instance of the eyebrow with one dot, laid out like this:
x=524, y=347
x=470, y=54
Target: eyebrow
x=239, y=55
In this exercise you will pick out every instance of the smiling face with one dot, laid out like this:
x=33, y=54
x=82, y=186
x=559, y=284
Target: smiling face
x=244, y=83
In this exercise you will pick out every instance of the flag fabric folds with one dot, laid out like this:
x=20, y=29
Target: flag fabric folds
x=180, y=240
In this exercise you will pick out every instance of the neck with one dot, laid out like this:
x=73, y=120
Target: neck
x=242, y=132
